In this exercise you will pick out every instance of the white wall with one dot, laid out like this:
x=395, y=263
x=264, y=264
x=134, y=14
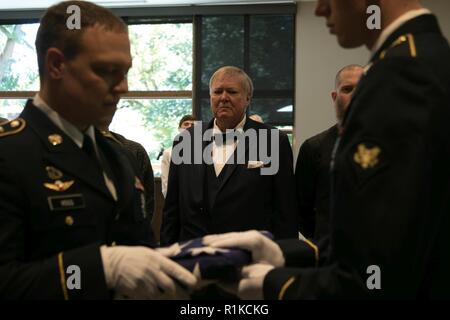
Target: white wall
x=318, y=59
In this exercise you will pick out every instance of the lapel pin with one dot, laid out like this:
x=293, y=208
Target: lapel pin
x=55, y=139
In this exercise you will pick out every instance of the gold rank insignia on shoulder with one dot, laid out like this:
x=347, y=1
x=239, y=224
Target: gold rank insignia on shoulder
x=55, y=139
x=59, y=185
x=405, y=43
x=366, y=157
x=12, y=127
x=138, y=184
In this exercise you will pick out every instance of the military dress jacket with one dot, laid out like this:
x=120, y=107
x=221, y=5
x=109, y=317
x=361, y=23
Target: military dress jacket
x=56, y=211
x=390, y=205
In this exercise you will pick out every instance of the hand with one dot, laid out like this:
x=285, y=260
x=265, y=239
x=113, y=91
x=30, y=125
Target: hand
x=170, y=251
x=262, y=248
x=251, y=285
x=142, y=273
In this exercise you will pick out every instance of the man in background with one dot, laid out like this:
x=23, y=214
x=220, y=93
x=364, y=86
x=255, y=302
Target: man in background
x=185, y=123
x=312, y=173
x=144, y=165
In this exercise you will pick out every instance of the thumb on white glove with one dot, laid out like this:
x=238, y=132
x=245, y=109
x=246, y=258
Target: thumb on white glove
x=262, y=248
x=251, y=285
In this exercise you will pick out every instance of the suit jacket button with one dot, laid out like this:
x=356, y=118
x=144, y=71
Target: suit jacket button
x=69, y=220
x=113, y=244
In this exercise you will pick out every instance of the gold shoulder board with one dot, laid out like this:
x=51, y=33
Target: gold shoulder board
x=403, y=45
x=12, y=127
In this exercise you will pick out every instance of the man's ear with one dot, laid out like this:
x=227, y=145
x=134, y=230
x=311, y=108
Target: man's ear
x=55, y=63
x=334, y=95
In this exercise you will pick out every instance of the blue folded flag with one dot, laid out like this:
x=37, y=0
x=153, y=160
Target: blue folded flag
x=213, y=263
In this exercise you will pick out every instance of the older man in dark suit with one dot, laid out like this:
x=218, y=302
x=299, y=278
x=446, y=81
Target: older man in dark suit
x=234, y=190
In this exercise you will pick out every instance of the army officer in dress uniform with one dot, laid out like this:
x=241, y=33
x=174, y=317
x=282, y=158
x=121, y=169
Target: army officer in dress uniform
x=73, y=222
x=391, y=169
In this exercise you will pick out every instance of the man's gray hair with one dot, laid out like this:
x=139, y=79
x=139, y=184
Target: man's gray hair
x=230, y=70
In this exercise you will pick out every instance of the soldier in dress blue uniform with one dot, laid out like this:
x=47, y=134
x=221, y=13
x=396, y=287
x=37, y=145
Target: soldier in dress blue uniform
x=390, y=171
x=70, y=199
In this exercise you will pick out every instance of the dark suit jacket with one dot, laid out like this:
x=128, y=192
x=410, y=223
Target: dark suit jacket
x=312, y=176
x=245, y=200
x=391, y=197
x=43, y=230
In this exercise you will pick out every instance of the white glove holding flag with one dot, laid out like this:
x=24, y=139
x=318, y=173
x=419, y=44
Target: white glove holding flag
x=142, y=273
x=251, y=285
x=263, y=249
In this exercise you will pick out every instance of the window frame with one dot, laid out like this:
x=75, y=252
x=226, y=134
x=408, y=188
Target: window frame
x=174, y=14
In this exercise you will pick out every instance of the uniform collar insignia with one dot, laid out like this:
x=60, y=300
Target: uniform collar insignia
x=366, y=157
x=55, y=139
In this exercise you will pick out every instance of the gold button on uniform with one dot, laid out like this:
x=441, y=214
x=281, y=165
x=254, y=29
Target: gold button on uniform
x=14, y=124
x=55, y=139
x=113, y=244
x=69, y=220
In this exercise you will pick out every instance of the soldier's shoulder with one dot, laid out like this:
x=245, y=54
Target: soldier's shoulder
x=421, y=45
x=404, y=46
x=12, y=128
x=318, y=139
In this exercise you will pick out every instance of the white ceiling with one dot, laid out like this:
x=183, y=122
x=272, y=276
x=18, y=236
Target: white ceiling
x=39, y=4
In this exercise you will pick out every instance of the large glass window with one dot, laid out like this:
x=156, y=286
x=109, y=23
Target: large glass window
x=160, y=81
x=18, y=62
x=165, y=75
x=262, y=45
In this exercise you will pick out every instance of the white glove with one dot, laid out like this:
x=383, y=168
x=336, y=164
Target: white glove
x=170, y=251
x=142, y=273
x=262, y=248
x=251, y=285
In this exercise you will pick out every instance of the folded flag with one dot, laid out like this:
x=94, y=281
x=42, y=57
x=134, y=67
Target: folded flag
x=209, y=263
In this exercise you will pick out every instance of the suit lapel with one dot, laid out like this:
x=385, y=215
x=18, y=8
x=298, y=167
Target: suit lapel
x=65, y=155
x=233, y=162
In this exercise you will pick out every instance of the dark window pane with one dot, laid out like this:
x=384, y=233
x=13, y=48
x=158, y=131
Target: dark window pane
x=272, y=52
x=274, y=111
x=222, y=44
x=205, y=110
